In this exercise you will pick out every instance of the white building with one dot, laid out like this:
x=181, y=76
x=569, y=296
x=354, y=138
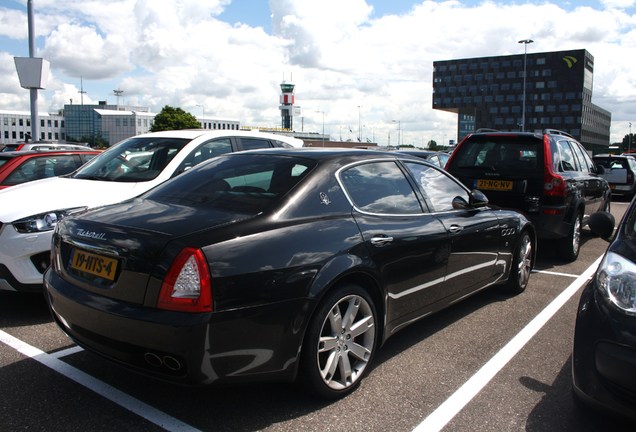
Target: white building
x=113, y=123
x=15, y=125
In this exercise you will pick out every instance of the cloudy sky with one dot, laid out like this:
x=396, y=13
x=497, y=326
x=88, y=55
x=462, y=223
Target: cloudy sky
x=363, y=63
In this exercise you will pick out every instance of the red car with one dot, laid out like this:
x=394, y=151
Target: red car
x=22, y=166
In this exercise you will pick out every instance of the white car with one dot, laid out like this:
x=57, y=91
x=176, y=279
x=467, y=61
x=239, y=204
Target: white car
x=29, y=212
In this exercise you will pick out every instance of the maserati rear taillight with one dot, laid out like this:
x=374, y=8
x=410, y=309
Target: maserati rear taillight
x=187, y=287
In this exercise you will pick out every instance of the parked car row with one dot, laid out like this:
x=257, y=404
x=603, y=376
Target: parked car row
x=315, y=257
x=119, y=173
x=278, y=264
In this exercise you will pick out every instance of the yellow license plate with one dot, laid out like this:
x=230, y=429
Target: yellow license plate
x=96, y=265
x=503, y=185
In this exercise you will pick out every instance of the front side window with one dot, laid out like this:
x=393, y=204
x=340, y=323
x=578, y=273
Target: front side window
x=133, y=160
x=206, y=151
x=381, y=188
x=42, y=167
x=438, y=188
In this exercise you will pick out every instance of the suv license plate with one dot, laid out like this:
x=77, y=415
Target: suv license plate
x=488, y=184
x=96, y=265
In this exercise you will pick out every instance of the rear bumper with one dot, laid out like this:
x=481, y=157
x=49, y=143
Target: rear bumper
x=551, y=222
x=258, y=343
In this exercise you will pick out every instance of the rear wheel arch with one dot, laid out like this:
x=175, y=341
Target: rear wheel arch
x=336, y=355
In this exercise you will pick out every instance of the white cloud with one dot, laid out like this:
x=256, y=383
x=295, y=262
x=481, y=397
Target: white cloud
x=338, y=53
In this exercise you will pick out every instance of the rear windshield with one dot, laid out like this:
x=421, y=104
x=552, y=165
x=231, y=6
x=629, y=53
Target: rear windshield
x=501, y=153
x=247, y=184
x=612, y=163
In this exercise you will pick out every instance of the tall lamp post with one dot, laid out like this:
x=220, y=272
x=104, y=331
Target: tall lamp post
x=629, y=148
x=399, y=130
x=525, y=43
x=359, y=125
x=323, y=126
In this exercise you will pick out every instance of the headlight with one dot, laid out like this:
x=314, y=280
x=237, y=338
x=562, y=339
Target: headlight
x=45, y=221
x=616, y=278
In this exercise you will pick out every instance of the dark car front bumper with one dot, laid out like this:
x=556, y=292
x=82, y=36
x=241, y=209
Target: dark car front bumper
x=242, y=345
x=604, y=356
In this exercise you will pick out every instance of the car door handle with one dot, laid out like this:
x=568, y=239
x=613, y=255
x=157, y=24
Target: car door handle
x=381, y=240
x=455, y=229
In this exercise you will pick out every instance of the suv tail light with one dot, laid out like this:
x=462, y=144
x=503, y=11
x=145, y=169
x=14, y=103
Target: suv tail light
x=630, y=177
x=187, y=286
x=553, y=183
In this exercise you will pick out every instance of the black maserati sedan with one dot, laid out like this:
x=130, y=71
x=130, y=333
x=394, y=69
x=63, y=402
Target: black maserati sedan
x=604, y=352
x=279, y=264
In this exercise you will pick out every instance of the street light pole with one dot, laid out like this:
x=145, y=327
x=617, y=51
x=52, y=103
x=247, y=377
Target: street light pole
x=399, y=130
x=629, y=148
x=323, y=126
x=525, y=43
x=359, y=125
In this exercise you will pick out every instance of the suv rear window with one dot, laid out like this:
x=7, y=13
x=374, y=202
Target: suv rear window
x=506, y=153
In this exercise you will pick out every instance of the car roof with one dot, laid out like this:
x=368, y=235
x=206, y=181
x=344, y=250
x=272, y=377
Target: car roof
x=325, y=153
x=43, y=153
x=197, y=133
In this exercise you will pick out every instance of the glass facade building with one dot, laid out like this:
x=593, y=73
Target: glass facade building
x=488, y=93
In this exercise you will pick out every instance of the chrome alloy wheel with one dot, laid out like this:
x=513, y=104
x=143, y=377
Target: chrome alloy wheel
x=576, y=236
x=346, y=342
x=525, y=261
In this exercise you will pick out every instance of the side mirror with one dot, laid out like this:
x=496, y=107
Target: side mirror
x=602, y=224
x=476, y=199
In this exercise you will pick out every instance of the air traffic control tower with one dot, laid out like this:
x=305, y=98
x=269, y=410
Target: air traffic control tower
x=287, y=105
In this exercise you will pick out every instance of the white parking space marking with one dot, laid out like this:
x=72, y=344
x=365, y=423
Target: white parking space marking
x=66, y=352
x=136, y=406
x=458, y=400
x=555, y=273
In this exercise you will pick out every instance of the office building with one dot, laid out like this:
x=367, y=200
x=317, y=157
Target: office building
x=489, y=92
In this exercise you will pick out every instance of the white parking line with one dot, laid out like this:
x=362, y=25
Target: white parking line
x=128, y=402
x=574, y=276
x=458, y=400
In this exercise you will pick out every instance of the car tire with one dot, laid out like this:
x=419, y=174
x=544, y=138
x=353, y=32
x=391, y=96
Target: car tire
x=521, y=265
x=571, y=245
x=340, y=342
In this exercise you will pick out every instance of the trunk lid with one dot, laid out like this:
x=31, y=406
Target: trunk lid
x=118, y=251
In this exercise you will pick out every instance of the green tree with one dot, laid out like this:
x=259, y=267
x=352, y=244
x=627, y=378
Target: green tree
x=629, y=143
x=171, y=118
x=432, y=145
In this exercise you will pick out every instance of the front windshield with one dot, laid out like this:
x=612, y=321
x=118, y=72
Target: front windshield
x=136, y=159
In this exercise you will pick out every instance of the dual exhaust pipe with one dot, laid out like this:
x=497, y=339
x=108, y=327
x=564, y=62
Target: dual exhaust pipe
x=161, y=361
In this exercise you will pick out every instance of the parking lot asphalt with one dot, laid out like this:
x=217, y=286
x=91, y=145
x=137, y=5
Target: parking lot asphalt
x=491, y=363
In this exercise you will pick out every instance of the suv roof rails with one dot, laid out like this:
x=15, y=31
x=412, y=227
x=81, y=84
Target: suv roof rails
x=557, y=132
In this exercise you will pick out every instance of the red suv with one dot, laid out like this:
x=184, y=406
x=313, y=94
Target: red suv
x=23, y=166
x=548, y=176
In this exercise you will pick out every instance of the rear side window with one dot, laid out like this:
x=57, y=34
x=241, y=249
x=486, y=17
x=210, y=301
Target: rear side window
x=502, y=153
x=381, y=188
x=565, y=160
x=254, y=143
